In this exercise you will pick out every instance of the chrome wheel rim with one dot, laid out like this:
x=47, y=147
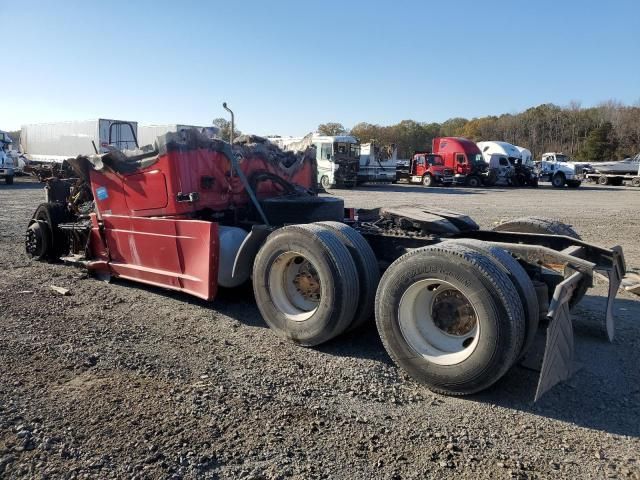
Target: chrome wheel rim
x=438, y=322
x=294, y=286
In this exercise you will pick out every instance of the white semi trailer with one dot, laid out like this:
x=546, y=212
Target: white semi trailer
x=46, y=143
x=147, y=134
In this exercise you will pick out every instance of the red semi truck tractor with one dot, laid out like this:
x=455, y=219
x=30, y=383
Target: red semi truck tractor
x=456, y=306
x=464, y=157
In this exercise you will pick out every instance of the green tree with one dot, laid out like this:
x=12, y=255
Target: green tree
x=600, y=144
x=453, y=127
x=331, y=129
x=225, y=128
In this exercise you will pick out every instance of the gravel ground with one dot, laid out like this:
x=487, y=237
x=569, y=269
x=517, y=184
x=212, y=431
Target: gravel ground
x=118, y=380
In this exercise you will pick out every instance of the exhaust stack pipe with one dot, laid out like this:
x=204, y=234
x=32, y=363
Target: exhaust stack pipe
x=224, y=105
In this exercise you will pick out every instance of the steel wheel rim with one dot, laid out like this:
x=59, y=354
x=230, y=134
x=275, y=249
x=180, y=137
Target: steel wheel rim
x=438, y=322
x=294, y=286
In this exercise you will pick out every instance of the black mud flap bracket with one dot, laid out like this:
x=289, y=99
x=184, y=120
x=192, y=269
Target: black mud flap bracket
x=557, y=364
x=558, y=361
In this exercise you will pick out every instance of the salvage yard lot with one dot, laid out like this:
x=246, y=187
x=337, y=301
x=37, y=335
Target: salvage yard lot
x=119, y=380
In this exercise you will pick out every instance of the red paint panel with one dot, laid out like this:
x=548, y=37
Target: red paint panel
x=154, y=191
x=173, y=253
x=145, y=190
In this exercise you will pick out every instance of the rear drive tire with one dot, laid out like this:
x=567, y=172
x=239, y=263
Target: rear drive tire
x=305, y=284
x=520, y=279
x=471, y=333
x=635, y=182
x=367, y=266
x=537, y=225
x=546, y=226
x=8, y=179
x=573, y=183
x=301, y=209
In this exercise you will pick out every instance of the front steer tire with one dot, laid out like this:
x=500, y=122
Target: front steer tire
x=290, y=314
x=558, y=180
x=44, y=239
x=474, y=181
x=493, y=298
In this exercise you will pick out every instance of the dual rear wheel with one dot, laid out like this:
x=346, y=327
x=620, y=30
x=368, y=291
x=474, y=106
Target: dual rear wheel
x=314, y=281
x=456, y=315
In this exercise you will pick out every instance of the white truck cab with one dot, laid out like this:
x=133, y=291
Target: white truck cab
x=558, y=169
x=7, y=167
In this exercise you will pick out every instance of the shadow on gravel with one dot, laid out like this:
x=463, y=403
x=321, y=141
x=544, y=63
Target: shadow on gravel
x=239, y=304
x=604, y=394
x=363, y=342
x=405, y=188
x=594, y=187
x=23, y=185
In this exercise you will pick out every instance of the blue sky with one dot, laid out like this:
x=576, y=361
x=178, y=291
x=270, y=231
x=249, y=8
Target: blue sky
x=286, y=66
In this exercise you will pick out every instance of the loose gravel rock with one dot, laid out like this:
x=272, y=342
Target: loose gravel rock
x=119, y=380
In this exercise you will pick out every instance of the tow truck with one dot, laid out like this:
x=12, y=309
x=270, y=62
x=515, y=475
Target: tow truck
x=425, y=168
x=456, y=306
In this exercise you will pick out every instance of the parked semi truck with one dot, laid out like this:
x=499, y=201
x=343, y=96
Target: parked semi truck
x=47, y=143
x=508, y=164
x=7, y=166
x=463, y=157
x=456, y=306
x=377, y=163
x=558, y=169
x=338, y=157
x=425, y=168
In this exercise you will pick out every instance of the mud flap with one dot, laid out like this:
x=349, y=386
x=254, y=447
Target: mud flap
x=557, y=364
x=615, y=275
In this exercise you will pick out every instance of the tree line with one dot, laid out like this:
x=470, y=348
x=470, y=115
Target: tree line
x=608, y=131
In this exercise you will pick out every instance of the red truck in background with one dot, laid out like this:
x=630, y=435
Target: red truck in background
x=426, y=168
x=463, y=157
